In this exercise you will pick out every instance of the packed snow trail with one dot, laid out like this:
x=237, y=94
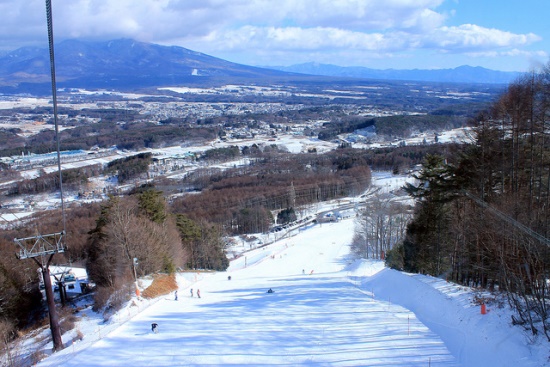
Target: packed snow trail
x=317, y=316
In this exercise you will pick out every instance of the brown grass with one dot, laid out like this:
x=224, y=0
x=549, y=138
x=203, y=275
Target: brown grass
x=162, y=284
x=79, y=335
x=37, y=356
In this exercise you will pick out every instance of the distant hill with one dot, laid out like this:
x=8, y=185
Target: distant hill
x=461, y=74
x=122, y=63
x=128, y=64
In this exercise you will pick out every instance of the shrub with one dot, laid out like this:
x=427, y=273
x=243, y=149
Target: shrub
x=395, y=257
x=111, y=299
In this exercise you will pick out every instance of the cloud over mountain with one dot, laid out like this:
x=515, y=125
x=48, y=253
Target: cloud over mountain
x=260, y=32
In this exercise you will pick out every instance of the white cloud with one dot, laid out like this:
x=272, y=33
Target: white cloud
x=473, y=37
x=450, y=39
x=359, y=15
x=296, y=39
x=159, y=20
x=22, y=23
x=512, y=53
x=288, y=29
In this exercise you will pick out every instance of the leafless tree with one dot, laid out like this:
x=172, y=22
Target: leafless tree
x=8, y=346
x=380, y=225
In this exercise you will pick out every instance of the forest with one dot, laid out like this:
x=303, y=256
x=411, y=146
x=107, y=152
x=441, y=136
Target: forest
x=482, y=213
x=242, y=199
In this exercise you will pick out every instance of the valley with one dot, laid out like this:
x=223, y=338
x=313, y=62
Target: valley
x=293, y=127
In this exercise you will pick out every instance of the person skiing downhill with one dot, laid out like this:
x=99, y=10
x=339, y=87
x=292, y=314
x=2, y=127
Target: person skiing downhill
x=191, y=292
x=175, y=295
x=199, y=293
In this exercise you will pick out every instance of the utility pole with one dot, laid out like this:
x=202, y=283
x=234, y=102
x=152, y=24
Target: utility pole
x=42, y=249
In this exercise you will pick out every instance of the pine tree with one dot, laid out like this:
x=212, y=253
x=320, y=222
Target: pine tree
x=426, y=243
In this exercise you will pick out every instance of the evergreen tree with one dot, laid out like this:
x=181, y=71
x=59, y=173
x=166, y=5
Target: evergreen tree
x=153, y=205
x=287, y=215
x=426, y=244
x=203, y=244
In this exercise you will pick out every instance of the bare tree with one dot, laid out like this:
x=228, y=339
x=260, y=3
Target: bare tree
x=125, y=235
x=8, y=344
x=380, y=226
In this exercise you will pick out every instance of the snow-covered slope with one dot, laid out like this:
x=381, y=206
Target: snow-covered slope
x=326, y=310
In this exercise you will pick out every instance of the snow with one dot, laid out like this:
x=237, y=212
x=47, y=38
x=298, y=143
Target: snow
x=327, y=310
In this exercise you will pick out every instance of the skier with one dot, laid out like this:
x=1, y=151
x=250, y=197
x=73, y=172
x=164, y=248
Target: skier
x=154, y=327
x=191, y=292
x=175, y=295
x=199, y=293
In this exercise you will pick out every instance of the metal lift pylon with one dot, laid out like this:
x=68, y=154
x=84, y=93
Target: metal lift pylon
x=42, y=248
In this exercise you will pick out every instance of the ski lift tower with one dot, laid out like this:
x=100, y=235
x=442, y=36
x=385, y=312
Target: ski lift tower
x=42, y=249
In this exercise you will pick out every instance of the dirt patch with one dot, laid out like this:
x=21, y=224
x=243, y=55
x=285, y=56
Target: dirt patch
x=162, y=284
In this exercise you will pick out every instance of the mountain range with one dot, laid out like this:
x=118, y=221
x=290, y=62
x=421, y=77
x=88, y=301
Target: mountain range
x=129, y=64
x=121, y=63
x=461, y=74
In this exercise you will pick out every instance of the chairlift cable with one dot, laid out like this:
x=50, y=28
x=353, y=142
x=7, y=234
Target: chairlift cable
x=12, y=213
x=54, y=101
x=5, y=220
x=522, y=227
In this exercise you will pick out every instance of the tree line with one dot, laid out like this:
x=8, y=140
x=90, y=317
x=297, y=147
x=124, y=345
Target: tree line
x=126, y=169
x=482, y=216
x=104, y=134
x=242, y=199
x=73, y=178
x=130, y=167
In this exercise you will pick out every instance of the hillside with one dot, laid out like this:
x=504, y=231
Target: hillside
x=122, y=63
x=326, y=309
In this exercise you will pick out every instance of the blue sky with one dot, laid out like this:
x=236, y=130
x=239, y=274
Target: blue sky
x=508, y=35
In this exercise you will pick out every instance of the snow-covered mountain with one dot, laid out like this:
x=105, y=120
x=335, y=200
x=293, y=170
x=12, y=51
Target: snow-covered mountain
x=122, y=63
x=129, y=64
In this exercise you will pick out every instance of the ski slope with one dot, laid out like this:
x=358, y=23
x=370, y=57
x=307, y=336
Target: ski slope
x=326, y=310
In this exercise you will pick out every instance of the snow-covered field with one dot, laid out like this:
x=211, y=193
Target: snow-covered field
x=19, y=207
x=326, y=310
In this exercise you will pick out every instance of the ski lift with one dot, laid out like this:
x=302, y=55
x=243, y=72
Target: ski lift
x=42, y=248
